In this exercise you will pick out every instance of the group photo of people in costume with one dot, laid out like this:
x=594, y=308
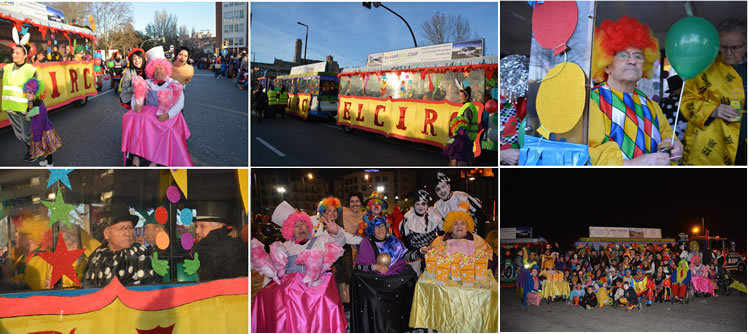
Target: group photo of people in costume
x=638, y=89
x=613, y=264
x=377, y=250
x=102, y=229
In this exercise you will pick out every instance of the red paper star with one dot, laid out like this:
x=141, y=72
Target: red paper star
x=157, y=330
x=62, y=261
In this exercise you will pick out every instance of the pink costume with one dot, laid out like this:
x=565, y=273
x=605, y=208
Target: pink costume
x=303, y=296
x=164, y=143
x=702, y=282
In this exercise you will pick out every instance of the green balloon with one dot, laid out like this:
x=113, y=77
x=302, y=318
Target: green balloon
x=110, y=64
x=97, y=68
x=691, y=46
x=521, y=132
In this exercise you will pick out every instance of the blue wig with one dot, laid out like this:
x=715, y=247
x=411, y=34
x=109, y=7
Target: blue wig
x=390, y=241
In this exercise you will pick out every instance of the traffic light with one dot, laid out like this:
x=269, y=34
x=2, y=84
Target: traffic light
x=367, y=4
x=225, y=45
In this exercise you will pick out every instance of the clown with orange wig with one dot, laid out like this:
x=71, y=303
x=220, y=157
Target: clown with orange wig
x=626, y=127
x=154, y=128
x=302, y=296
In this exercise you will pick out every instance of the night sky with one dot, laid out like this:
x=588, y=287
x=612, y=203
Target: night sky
x=560, y=204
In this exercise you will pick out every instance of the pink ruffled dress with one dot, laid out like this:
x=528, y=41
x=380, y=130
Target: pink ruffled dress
x=164, y=143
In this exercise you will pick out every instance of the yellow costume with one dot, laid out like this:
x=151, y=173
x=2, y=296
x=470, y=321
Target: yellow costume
x=712, y=141
x=602, y=296
x=554, y=285
x=606, y=152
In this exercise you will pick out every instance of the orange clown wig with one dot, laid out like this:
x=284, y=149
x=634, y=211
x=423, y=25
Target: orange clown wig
x=613, y=37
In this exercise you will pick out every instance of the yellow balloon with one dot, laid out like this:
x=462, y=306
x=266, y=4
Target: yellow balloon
x=561, y=98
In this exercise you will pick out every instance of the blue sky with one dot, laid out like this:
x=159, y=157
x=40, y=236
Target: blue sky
x=201, y=15
x=349, y=32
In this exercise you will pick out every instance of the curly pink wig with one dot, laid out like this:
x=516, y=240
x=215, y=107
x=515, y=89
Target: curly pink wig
x=287, y=231
x=152, y=63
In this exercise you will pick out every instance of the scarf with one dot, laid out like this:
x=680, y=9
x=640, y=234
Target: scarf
x=634, y=127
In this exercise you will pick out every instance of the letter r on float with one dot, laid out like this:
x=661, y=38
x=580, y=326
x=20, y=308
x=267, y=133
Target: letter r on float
x=376, y=116
x=402, y=121
x=347, y=111
x=73, y=81
x=430, y=116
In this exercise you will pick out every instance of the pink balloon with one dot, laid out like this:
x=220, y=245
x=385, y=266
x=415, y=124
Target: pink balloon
x=172, y=193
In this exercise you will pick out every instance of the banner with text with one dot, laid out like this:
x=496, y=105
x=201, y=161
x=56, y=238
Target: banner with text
x=413, y=120
x=438, y=52
x=299, y=104
x=624, y=232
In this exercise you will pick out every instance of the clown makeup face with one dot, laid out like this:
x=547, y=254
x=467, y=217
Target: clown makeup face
x=534, y=272
x=420, y=207
x=300, y=230
x=354, y=203
x=460, y=228
x=442, y=190
x=375, y=208
x=159, y=73
x=381, y=231
x=627, y=65
x=331, y=213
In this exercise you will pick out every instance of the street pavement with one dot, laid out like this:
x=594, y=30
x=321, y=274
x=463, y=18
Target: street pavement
x=720, y=314
x=215, y=111
x=314, y=142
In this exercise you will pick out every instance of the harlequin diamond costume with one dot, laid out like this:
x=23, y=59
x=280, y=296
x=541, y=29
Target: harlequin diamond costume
x=303, y=296
x=623, y=126
x=420, y=229
x=381, y=302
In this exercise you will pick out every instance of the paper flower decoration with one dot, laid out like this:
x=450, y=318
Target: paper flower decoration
x=187, y=241
x=62, y=261
x=59, y=210
x=59, y=175
x=185, y=216
x=191, y=266
x=161, y=215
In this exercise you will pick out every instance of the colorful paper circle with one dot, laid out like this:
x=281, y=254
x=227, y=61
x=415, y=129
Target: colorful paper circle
x=187, y=241
x=161, y=215
x=162, y=240
x=172, y=193
x=185, y=216
x=561, y=98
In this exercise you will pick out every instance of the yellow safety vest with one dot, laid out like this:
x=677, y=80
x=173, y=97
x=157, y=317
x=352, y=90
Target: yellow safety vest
x=272, y=98
x=13, y=81
x=473, y=127
x=284, y=98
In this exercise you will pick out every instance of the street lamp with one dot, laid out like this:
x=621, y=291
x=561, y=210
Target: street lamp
x=306, y=34
x=310, y=176
x=380, y=189
x=695, y=230
x=281, y=190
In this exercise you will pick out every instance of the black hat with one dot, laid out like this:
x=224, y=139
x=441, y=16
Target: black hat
x=214, y=211
x=674, y=82
x=442, y=177
x=421, y=195
x=120, y=212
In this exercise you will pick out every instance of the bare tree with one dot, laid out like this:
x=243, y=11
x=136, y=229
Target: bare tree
x=441, y=28
x=125, y=39
x=112, y=19
x=164, y=26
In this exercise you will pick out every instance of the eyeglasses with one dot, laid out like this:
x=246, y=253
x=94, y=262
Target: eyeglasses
x=624, y=56
x=732, y=49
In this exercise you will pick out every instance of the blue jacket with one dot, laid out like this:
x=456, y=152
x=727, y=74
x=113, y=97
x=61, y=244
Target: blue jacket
x=577, y=293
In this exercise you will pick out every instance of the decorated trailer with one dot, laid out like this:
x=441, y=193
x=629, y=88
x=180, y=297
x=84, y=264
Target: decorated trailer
x=412, y=95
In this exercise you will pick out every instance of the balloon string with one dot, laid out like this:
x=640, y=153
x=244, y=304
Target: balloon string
x=560, y=70
x=676, y=120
